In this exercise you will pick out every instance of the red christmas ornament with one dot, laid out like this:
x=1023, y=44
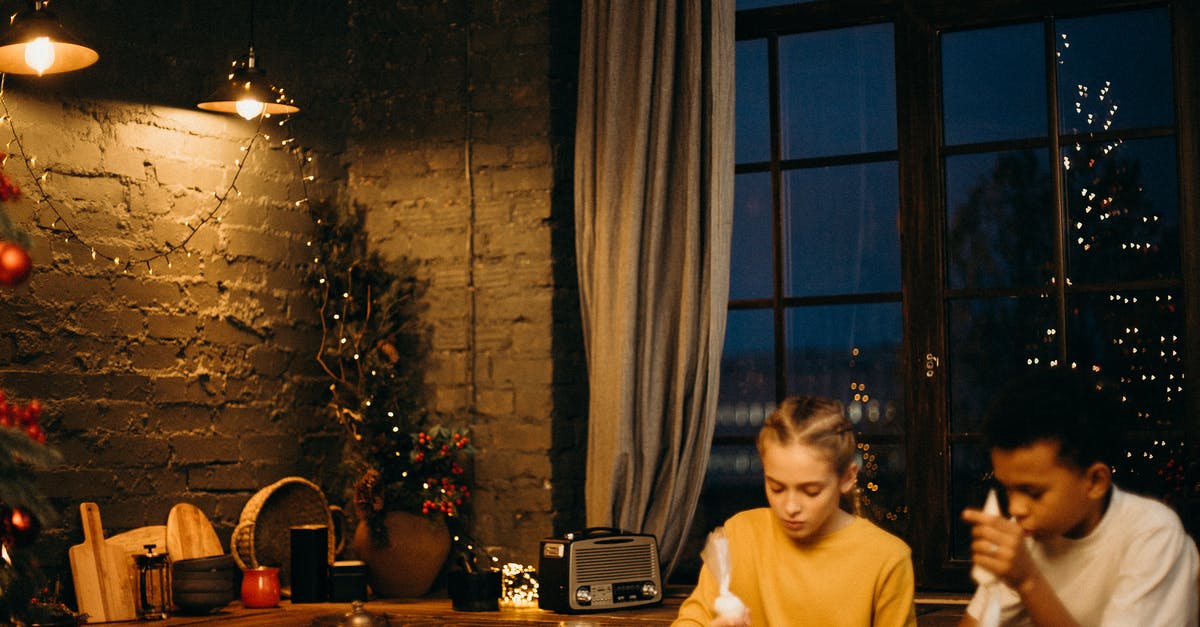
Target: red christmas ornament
x=22, y=526
x=15, y=264
x=8, y=189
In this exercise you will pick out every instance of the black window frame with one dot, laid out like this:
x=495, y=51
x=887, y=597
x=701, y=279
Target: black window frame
x=918, y=25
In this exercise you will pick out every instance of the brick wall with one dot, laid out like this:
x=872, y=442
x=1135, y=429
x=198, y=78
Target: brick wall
x=461, y=145
x=194, y=381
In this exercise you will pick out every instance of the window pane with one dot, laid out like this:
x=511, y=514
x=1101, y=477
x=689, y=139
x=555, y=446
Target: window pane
x=1160, y=466
x=1000, y=227
x=750, y=250
x=1114, y=71
x=748, y=360
x=993, y=84
x=1123, y=203
x=970, y=478
x=736, y=465
x=742, y=418
x=1136, y=339
x=881, y=479
x=991, y=341
x=840, y=236
x=838, y=91
x=757, y=4
x=850, y=353
x=753, y=108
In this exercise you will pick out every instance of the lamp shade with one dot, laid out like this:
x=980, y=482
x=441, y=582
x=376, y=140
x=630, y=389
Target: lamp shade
x=35, y=43
x=247, y=93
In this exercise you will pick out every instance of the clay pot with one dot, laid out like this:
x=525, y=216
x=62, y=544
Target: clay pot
x=407, y=567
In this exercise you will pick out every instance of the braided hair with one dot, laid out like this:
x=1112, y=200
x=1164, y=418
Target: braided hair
x=821, y=424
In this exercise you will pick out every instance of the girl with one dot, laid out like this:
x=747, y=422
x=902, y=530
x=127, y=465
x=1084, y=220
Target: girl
x=805, y=560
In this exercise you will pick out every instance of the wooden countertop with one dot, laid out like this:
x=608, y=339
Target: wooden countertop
x=420, y=612
x=437, y=611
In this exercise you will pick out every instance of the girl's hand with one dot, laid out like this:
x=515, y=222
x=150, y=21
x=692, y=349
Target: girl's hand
x=740, y=621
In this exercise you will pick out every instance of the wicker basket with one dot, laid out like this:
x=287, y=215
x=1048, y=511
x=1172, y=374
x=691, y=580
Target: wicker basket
x=262, y=536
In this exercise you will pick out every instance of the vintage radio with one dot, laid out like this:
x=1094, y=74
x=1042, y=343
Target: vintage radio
x=597, y=570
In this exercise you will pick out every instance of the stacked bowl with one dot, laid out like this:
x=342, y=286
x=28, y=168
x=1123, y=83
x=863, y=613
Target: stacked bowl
x=203, y=584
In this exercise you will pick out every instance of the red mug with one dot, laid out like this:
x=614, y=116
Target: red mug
x=260, y=587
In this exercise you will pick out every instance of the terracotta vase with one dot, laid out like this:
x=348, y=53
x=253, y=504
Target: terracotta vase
x=408, y=565
x=260, y=587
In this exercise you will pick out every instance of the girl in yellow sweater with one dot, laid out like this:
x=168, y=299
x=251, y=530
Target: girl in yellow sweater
x=807, y=560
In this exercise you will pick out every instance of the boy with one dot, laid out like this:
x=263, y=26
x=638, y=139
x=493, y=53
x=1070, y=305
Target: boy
x=1076, y=549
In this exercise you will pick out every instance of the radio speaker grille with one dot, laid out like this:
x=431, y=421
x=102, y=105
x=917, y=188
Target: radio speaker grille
x=607, y=563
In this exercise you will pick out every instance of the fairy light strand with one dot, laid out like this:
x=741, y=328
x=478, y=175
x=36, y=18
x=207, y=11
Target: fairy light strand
x=62, y=226
x=339, y=329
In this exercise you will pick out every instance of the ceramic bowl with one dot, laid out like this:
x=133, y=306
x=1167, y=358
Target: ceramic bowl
x=201, y=585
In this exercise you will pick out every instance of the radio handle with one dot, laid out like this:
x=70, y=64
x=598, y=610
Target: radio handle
x=592, y=532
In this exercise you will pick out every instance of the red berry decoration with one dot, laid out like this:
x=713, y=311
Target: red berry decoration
x=23, y=527
x=35, y=433
x=24, y=417
x=15, y=264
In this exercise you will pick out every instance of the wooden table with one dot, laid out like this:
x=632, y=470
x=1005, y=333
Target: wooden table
x=437, y=611
x=421, y=612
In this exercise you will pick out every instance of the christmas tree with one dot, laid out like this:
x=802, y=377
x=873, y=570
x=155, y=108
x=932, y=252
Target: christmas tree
x=23, y=451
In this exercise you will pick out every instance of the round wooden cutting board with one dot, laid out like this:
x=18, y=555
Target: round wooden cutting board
x=190, y=534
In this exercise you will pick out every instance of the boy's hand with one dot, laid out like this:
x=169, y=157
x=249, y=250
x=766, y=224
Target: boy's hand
x=998, y=546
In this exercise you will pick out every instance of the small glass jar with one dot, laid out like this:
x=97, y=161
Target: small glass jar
x=154, y=593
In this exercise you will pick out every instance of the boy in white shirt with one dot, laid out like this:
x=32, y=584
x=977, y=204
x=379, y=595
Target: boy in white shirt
x=1075, y=549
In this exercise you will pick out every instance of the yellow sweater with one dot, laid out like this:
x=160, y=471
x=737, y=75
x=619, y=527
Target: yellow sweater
x=858, y=576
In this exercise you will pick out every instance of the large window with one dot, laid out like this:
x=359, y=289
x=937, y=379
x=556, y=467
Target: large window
x=931, y=199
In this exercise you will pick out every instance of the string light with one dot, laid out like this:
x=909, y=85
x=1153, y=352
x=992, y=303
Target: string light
x=63, y=227
x=518, y=586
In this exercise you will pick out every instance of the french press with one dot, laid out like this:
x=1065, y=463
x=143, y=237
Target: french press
x=154, y=593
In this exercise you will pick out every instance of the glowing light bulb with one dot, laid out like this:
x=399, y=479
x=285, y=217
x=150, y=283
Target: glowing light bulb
x=250, y=108
x=39, y=54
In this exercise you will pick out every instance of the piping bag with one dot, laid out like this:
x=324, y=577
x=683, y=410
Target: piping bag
x=989, y=584
x=716, y=557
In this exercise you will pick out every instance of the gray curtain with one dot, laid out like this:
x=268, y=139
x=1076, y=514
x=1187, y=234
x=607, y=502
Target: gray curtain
x=653, y=214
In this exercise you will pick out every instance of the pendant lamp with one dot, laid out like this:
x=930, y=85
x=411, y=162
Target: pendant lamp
x=247, y=93
x=35, y=43
x=246, y=90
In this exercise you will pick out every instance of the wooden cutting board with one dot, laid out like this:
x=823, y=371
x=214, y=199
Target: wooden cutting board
x=134, y=541
x=190, y=534
x=103, y=588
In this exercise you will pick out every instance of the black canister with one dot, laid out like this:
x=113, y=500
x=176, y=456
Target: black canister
x=348, y=581
x=474, y=591
x=310, y=563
